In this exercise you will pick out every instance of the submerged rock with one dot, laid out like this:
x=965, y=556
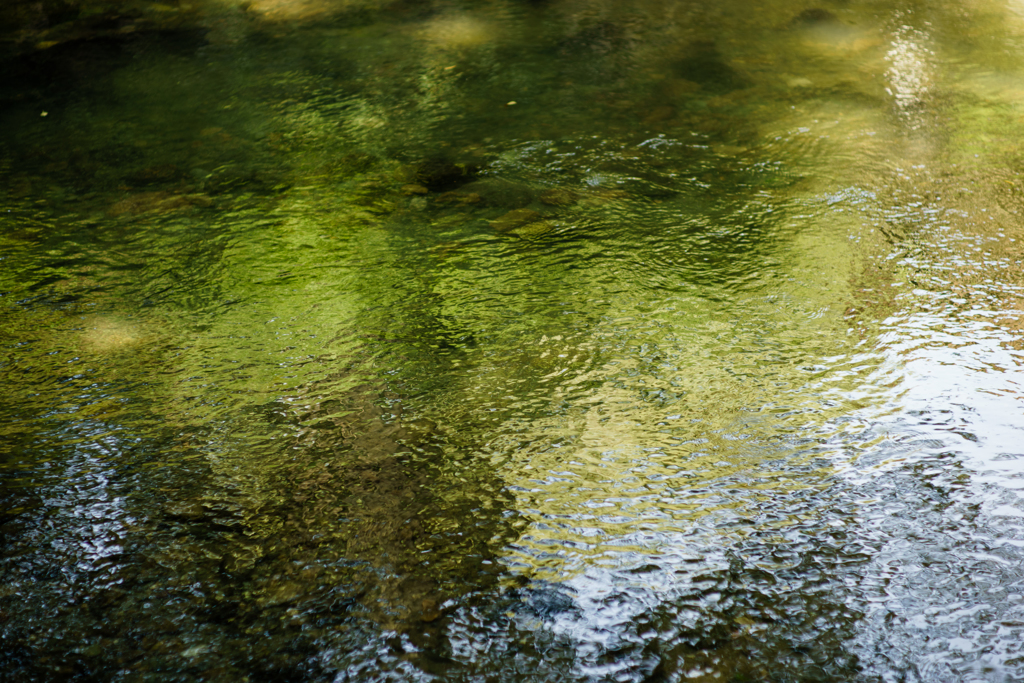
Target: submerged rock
x=704, y=65
x=515, y=219
x=600, y=38
x=459, y=198
x=498, y=192
x=38, y=26
x=236, y=178
x=440, y=175
x=157, y=174
x=543, y=601
x=191, y=511
x=103, y=334
x=558, y=197
x=605, y=196
x=374, y=196
x=534, y=230
x=355, y=162
x=156, y=202
x=659, y=114
x=430, y=610
x=814, y=15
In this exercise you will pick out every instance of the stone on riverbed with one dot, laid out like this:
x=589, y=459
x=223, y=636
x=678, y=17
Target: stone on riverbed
x=558, y=197
x=814, y=15
x=515, y=219
x=534, y=230
x=156, y=202
x=703, y=64
x=189, y=511
x=459, y=198
x=440, y=175
x=498, y=192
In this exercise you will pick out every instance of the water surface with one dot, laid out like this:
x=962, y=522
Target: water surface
x=487, y=341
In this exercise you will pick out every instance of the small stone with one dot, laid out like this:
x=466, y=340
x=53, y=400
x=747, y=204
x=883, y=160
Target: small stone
x=418, y=203
x=195, y=651
x=460, y=198
x=441, y=175
x=814, y=15
x=603, y=197
x=357, y=162
x=281, y=593
x=430, y=612
x=533, y=230
x=558, y=197
x=514, y=219
x=160, y=173
x=728, y=150
x=499, y=192
x=675, y=88
x=414, y=189
x=406, y=173
x=659, y=114
x=191, y=511
x=146, y=202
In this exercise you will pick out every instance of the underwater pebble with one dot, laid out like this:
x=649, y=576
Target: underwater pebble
x=514, y=219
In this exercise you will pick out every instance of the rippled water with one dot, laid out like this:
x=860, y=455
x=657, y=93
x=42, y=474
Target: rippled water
x=541, y=341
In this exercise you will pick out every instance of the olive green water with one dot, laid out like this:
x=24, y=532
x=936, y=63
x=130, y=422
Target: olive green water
x=513, y=341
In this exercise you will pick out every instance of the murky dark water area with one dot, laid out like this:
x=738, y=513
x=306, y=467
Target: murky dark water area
x=347, y=340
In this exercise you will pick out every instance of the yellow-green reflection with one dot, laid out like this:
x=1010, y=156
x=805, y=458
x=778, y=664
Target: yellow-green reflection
x=595, y=339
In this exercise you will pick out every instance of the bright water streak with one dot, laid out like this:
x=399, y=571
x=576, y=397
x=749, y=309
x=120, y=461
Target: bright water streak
x=527, y=341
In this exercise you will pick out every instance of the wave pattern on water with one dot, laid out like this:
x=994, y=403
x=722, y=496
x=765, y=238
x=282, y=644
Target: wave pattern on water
x=567, y=341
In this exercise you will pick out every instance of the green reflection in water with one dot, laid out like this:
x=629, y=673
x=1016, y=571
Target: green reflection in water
x=342, y=337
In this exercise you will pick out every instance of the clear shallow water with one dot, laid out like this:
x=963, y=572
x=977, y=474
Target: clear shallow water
x=513, y=341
